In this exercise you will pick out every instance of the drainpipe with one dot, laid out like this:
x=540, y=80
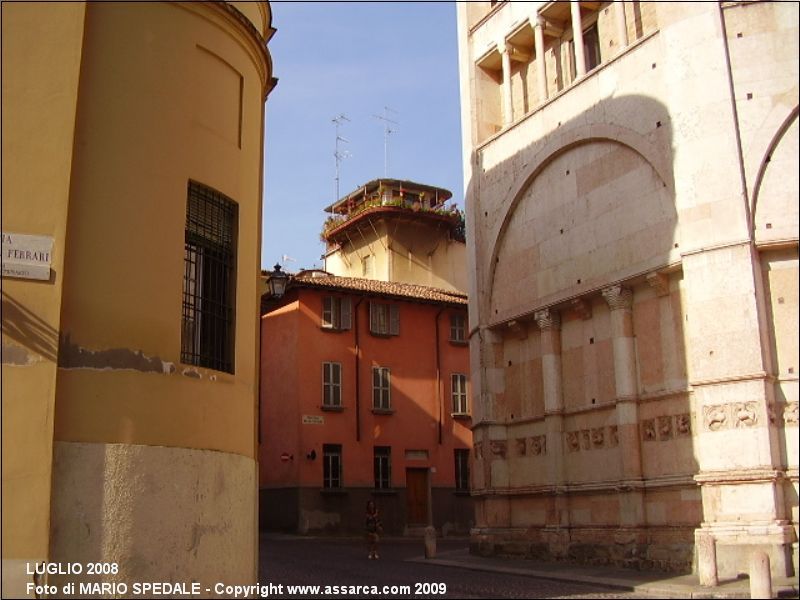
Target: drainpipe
x=438, y=374
x=358, y=362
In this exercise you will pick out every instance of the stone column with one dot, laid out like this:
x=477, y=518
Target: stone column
x=620, y=301
x=541, y=68
x=622, y=28
x=505, y=54
x=577, y=37
x=556, y=530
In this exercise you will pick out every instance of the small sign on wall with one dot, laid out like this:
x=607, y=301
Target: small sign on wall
x=313, y=420
x=27, y=256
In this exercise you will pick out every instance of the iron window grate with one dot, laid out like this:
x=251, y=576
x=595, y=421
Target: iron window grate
x=209, y=279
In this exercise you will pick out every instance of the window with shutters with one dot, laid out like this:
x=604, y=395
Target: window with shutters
x=382, y=463
x=458, y=328
x=336, y=313
x=381, y=388
x=331, y=466
x=458, y=389
x=331, y=385
x=384, y=319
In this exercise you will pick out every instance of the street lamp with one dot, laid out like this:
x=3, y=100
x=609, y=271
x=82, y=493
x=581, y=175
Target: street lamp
x=277, y=282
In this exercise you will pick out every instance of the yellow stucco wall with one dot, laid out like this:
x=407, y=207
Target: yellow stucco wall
x=40, y=82
x=109, y=110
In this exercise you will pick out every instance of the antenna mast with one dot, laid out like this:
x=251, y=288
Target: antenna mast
x=386, y=131
x=339, y=156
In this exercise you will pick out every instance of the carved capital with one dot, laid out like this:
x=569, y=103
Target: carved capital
x=659, y=282
x=582, y=308
x=618, y=297
x=547, y=319
x=519, y=329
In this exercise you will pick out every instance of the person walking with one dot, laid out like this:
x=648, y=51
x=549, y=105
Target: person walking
x=374, y=528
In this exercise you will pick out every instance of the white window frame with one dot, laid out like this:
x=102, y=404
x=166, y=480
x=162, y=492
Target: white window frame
x=381, y=388
x=332, y=384
x=336, y=313
x=458, y=393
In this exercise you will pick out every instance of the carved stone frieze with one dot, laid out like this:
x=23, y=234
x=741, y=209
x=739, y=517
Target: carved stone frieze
x=649, y=430
x=477, y=448
x=664, y=428
x=586, y=439
x=522, y=446
x=598, y=437
x=498, y=448
x=538, y=445
x=573, y=441
x=683, y=425
x=715, y=417
x=745, y=414
x=613, y=436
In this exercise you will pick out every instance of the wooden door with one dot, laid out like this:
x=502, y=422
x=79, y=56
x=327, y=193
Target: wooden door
x=417, y=496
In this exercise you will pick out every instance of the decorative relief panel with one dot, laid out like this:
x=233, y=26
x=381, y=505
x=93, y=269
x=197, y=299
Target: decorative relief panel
x=521, y=446
x=613, y=436
x=745, y=414
x=595, y=438
x=729, y=416
x=715, y=417
x=573, y=443
x=667, y=427
x=664, y=428
x=790, y=413
x=538, y=445
x=649, y=430
x=498, y=448
x=477, y=447
x=598, y=437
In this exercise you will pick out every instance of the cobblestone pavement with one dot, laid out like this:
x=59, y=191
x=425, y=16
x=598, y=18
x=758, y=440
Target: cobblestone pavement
x=292, y=561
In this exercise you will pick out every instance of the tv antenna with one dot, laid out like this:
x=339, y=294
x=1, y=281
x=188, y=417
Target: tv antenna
x=387, y=130
x=339, y=155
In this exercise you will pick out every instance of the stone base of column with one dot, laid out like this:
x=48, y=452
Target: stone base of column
x=736, y=543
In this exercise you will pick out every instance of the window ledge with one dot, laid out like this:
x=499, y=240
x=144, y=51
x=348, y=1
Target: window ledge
x=382, y=335
x=332, y=408
x=386, y=492
x=459, y=342
x=382, y=411
x=461, y=416
x=461, y=493
x=333, y=492
x=333, y=329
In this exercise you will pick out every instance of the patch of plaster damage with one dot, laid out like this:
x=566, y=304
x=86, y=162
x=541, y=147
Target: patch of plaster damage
x=313, y=520
x=19, y=356
x=73, y=356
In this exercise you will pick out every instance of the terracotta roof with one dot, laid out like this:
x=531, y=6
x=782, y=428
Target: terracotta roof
x=320, y=279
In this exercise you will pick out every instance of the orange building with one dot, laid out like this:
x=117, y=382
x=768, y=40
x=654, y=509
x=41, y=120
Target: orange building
x=364, y=395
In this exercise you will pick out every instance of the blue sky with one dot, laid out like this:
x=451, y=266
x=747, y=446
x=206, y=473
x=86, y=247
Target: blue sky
x=351, y=58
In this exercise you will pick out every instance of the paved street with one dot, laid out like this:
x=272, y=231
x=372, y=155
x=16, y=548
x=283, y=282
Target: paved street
x=291, y=561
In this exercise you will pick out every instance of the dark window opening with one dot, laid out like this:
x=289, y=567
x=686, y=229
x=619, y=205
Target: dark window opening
x=462, y=469
x=382, y=461
x=209, y=279
x=331, y=466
